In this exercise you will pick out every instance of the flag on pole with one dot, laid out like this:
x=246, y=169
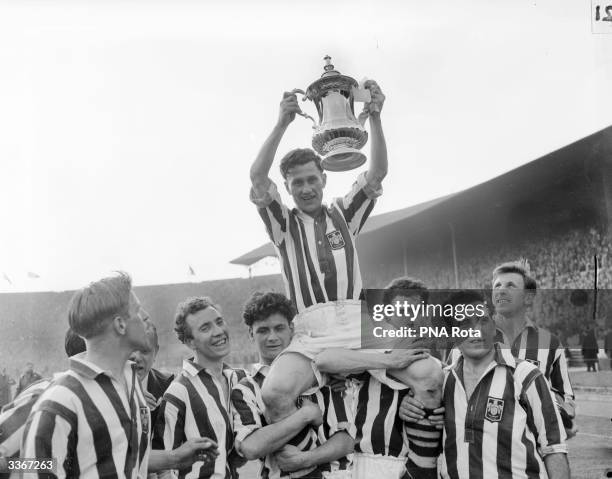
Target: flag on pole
x=8, y=280
x=32, y=275
x=191, y=271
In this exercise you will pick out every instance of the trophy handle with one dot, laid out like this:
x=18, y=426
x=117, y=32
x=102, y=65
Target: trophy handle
x=301, y=113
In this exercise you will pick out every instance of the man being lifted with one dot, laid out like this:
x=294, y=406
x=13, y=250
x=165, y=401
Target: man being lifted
x=315, y=244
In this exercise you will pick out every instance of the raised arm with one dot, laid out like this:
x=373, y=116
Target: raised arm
x=262, y=164
x=377, y=169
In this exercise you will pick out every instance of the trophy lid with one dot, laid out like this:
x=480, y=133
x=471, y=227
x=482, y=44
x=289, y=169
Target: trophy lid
x=328, y=68
x=331, y=79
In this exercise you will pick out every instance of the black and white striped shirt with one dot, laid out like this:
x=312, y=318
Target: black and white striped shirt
x=249, y=410
x=194, y=405
x=541, y=348
x=381, y=431
x=317, y=255
x=506, y=427
x=89, y=422
x=14, y=416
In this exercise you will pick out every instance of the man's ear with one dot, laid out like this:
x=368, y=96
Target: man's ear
x=251, y=337
x=287, y=186
x=120, y=325
x=324, y=179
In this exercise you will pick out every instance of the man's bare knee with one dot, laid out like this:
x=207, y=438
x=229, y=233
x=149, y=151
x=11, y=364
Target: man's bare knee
x=274, y=396
x=279, y=402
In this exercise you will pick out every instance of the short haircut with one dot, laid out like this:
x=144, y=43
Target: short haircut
x=405, y=286
x=519, y=267
x=261, y=306
x=73, y=343
x=465, y=296
x=299, y=156
x=92, y=308
x=184, y=309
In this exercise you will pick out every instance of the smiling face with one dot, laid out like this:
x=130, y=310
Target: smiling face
x=509, y=294
x=209, y=334
x=477, y=348
x=305, y=184
x=271, y=336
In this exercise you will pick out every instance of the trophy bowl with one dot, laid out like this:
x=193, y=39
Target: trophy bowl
x=339, y=135
x=340, y=148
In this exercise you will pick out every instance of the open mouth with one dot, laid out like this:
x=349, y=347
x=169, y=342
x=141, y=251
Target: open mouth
x=220, y=342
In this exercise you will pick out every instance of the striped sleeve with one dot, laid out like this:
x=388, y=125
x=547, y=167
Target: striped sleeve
x=357, y=205
x=424, y=447
x=559, y=376
x=542, y=414
x=13, y=419
x=49, y=434
x=246, y=413
x=273, y=212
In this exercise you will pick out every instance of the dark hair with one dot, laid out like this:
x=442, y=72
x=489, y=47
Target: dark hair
x=184, y=309
x=519, y=267
x=405, y=286
x=299, y=156
x=91, y=308
x=73, y=343
x=261, y=306
x=465, y=296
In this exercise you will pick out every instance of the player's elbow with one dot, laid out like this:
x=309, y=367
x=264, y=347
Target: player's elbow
x=256, y=175
x=249, y=449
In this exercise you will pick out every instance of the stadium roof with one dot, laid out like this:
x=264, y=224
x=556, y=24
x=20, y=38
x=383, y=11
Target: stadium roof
x=549, y=170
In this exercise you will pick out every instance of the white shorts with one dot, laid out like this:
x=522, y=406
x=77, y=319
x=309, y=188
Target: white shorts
x=336, y=324
x=322, y=326
x=377, y=466
x=344, y=474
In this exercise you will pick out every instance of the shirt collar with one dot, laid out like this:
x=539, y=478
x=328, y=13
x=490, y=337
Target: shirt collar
x=86, y=368
x=503, y=357
x=260, y=368
x=193, y=369
x=309, y=219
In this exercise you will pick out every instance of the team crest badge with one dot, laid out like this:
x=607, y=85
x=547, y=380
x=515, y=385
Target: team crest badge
x=534, y=362
x=495, y=409
x=336, y=241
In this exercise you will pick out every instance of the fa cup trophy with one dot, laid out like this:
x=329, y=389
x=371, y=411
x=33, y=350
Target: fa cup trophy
x=339, y=135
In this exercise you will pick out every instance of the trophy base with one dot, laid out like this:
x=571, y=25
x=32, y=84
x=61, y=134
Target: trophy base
x=343, y=159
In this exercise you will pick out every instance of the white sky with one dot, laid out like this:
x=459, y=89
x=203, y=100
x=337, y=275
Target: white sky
x=127, y=128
